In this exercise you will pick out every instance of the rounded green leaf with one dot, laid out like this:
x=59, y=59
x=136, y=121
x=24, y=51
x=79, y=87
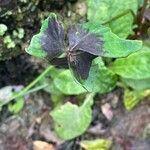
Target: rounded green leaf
x=135, y=66
x=71, y=120
x=67, y=84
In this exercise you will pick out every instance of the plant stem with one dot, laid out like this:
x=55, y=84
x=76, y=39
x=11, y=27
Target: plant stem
x=28, y=92
x=21, y=93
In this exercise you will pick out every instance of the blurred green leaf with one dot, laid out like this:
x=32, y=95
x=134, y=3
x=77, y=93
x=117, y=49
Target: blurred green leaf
x=17, y=106
x=7, y=92
x=99, y=144
x=142, y=84
x=56, y=95
x=67, y=84
x=71, y=120
x=123, y=26
x=140, y=3
x=3, y=29
x=117, y=14
x=132, y=98
x=100, y=79
x=135, y=66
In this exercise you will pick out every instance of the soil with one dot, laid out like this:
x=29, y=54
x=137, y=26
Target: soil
x=18, y=132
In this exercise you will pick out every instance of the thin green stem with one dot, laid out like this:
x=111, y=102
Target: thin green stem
x=21, y=93
x=28, y=92
x=36, y=89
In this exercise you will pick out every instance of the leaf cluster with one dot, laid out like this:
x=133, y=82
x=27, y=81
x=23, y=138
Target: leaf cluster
x=87, y=48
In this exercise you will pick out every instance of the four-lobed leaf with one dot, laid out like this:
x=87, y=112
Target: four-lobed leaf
x=71, y=120
x=86, y=42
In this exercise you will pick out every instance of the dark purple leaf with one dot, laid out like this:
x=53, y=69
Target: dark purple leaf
x=82, y=39
x=60, y=62
x=53, y=38
x=80, y=63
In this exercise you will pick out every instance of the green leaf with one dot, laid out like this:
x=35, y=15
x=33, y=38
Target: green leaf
x=99, y=144
x=116, y=14
x=71, y=120
x=3, y=29
x=140, y=3
x=7, y=92
x=50, y=41
x=112, y=45
x=67, y=84
x=132, y=98
x=35, y=47
x=135, y=66
x=100, y=78
x=123, y=26
x=17, y=106
x=142, y=84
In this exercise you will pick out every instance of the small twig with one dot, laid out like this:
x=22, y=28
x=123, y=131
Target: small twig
x=141, y=17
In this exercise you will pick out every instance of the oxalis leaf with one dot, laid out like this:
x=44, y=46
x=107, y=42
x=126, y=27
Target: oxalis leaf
x=71, y=120
x=100, y=78
x=101, y=41
x=88, y=40
x=50, y=41
x=117, y=14
x=135, y=66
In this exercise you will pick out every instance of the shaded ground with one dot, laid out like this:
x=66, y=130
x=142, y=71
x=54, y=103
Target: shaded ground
x=129, y=130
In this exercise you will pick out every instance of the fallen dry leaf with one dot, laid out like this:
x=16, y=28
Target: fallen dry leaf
x=106, y=110
x=41, y=145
